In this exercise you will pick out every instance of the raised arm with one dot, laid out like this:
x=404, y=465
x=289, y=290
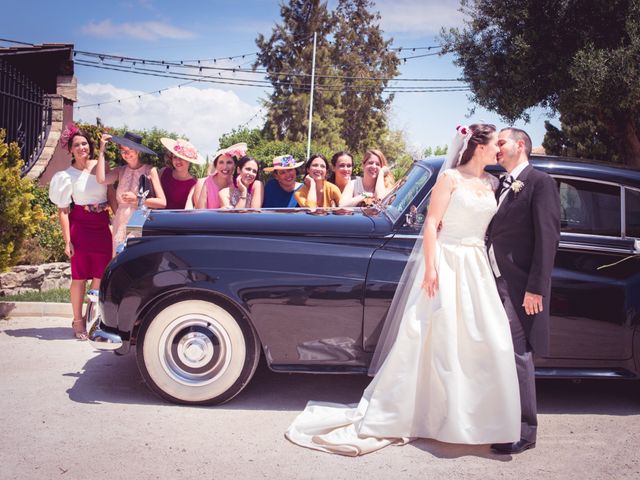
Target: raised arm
x=381, y=189
x=348, y=199
x=103, y=174
x=224, y=195
x=257, y=196
x=307, y=196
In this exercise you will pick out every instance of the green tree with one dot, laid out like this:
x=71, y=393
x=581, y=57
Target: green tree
x=362, y=56
x=287, y=55
x=576, y=57
x=436, y=151
x=18, y=220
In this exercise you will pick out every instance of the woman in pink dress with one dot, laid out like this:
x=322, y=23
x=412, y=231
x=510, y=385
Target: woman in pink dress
x=177, y=183
x=246, y=190
x=128, y=178
x=82, y=211
x=207, y=192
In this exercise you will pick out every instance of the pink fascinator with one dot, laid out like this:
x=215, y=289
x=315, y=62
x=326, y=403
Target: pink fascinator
x=69, y=131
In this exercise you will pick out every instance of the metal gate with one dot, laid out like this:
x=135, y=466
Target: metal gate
x=25, y=113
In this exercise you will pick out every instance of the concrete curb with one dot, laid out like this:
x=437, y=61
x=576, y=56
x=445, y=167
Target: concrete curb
x=35, y=309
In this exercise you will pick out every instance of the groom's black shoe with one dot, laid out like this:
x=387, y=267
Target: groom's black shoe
x=511, y=448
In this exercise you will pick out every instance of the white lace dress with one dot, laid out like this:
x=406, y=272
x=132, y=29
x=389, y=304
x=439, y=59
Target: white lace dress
x=450, y=374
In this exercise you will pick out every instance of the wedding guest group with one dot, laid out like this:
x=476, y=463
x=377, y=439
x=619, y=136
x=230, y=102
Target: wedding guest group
x=91, y=234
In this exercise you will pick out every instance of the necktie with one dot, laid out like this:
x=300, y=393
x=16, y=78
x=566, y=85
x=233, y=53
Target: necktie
x=507, y=180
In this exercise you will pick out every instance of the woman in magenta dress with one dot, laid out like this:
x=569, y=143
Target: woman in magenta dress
x=207, y=192
x=82, y=211
x=177, y=183
x=128, y=178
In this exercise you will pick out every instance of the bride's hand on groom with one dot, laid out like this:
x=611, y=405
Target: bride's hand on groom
x=532, y=303
x=430, y=282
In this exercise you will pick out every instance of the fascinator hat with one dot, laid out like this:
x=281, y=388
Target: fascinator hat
x=133, y=141
x=237, y=150
x=283, y=162
x=67, y=134
x=458, y=145
x=183, y=149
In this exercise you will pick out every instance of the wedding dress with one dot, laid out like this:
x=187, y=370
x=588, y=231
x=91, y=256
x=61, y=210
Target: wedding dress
x=450, y=374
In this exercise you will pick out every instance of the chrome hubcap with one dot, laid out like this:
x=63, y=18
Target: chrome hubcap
x=194, y=349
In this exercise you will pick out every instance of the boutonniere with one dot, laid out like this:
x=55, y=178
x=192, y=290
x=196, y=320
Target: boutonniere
x=516, y=186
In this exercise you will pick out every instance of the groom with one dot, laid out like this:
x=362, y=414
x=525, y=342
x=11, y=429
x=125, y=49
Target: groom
x=522, y=240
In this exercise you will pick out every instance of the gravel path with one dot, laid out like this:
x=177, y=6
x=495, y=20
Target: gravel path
x=68, y=411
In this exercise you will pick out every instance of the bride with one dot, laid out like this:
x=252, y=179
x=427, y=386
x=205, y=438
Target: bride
x=444, y=365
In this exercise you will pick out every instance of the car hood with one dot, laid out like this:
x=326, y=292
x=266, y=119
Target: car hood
x=341, y=222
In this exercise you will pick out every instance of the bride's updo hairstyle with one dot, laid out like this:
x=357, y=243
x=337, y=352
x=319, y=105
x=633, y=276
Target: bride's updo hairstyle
x=480, y=135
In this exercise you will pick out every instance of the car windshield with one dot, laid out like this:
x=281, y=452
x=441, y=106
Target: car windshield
x=405, y=190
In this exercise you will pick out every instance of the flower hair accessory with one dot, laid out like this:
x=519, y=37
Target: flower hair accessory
x=67, y=134
x=456, y=149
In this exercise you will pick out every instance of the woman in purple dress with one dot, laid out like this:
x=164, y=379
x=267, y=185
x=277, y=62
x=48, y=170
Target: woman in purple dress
x=177, y=183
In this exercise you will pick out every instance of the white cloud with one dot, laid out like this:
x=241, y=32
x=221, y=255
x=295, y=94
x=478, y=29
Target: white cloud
x=201, y=114
x=419, y=16
x=137, y=30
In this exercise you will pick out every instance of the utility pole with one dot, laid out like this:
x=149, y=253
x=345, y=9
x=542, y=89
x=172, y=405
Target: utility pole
x=313, y=77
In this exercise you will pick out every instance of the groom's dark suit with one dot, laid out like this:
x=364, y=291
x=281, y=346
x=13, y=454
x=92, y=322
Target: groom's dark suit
x=524, y=234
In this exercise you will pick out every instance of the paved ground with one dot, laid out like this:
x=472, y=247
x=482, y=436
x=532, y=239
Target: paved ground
x=67, y=411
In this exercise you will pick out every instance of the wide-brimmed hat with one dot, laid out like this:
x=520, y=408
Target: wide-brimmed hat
x=237, y=150
x=183, y=149
x=283, y=162
x=132, y=140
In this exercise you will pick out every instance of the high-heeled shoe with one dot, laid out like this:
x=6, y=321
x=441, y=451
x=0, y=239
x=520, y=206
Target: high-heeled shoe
x=80, y=330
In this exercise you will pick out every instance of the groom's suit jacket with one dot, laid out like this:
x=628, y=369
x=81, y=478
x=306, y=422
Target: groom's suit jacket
x=525, y=233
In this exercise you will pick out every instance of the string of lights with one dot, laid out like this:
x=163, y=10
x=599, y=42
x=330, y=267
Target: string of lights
x=266, y=84
x=138, y=96
x=136, y=62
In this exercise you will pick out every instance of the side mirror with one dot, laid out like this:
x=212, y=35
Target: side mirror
x=411, y=218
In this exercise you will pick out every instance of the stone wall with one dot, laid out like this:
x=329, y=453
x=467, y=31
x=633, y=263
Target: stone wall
x=30, y=278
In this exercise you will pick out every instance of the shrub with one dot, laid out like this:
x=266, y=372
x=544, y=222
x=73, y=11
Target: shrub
x=18, y=218
x=47, y=244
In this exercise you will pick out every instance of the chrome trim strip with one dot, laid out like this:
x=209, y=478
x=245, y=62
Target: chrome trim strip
x=403, y=236
x=596, y=248
x=547, y=372
x=623, y=213
x=584, y=179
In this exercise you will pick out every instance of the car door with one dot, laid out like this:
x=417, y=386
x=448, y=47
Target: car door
x=597, y=268
x=388, y=261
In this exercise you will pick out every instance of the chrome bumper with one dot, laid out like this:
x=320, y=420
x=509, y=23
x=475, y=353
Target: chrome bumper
x=99, y=339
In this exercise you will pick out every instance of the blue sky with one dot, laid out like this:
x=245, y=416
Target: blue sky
x=186, y=30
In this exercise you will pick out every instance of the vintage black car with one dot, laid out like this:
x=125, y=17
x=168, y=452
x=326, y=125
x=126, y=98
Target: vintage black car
x=202, y=294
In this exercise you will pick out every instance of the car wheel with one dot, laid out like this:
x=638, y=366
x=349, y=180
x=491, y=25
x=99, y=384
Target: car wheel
x=197, y=352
